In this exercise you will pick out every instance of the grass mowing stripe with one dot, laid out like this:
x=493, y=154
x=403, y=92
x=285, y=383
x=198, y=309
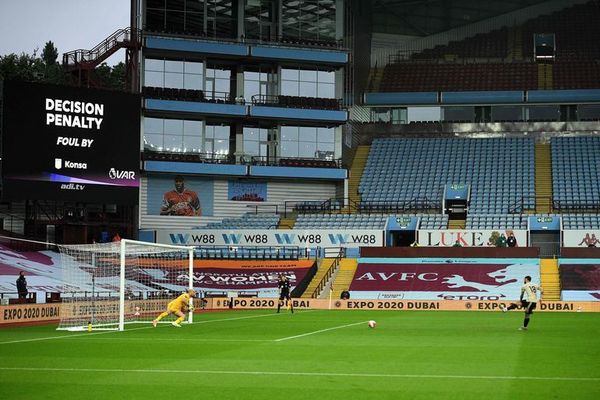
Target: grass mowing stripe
x=316, y=374
x=319, y=331
x=131, y=329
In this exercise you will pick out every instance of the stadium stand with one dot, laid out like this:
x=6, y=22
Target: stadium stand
x=581, y=221
x=246, y=221
x=340, y=221
x=496, y=222
x=503, y=176
x=575, y=174
x=490, y=61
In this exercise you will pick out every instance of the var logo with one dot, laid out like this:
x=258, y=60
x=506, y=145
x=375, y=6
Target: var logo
x=179, y=238
x=118, y=174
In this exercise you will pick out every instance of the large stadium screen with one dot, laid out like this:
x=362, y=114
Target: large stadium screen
x=68, y=143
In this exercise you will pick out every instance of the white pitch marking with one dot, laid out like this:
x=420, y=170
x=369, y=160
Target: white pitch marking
x=314, y=374
x=319, y=331
x=133, y=329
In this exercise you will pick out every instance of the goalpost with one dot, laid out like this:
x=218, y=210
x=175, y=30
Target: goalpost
x=109, y=285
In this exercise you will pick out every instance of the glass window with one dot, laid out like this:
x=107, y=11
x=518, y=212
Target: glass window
x=192, y=144
x=153, y=141
x=154, y=79
x=326, y=77
x=326, y=135
x=308, y=83
x=307, y=142
x=308, y=89
x=174, y=126
x=173, y=74
x=173, y=80
x=193, y=67
x=326, y=90
x=153, y=125
x=289, y=149
x=192, y=128
x=173, y=66
x=173, y=143
x=308, y=134
x=308, y=76
x=289, y=133
x=307, y=149
x=289, y=88
x=154, y=65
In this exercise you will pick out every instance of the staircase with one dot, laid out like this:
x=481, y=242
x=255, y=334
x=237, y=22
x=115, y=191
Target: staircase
x=515, y=43
x=545, y=76
x=550, y=279
x=344, y=276
x=543, y=179
x=90, y=59
x=324, y=265
x=457, y=224
x=358, y=166
x=287, y=222
x=375, y=76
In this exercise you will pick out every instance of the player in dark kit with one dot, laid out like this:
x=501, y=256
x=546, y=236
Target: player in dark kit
x=284, y=294
x=533, y=293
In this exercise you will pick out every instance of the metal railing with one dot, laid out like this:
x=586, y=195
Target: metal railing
x=297, y=102
x=328, y=274
x=120, y=38
x=248, y=252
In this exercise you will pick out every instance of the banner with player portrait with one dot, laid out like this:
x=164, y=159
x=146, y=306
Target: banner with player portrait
x=180, y=196
x=581, y=238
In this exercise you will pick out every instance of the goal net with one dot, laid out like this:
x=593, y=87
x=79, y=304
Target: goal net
x=109, y=285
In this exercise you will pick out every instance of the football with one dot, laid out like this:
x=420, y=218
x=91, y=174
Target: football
x=372, y=324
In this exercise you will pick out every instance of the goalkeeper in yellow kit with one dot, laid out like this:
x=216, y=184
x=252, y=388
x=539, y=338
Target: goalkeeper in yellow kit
x=178, y=306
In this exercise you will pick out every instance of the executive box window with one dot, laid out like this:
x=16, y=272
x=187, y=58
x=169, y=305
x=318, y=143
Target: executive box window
x=258, y=83
x=220, y=22
x=307, y=142
x=308, y=19
x=185, y=136
x=260, y=19
x=308, y=83
x=173, y=135
x=218, y=83
x=173, y=74
x=177, y=16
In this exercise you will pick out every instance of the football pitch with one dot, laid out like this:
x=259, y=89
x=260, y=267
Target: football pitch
x=311, y=355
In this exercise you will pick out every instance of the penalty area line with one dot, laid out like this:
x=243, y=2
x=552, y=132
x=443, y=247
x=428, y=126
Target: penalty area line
x=310, y=374
x=68, y=336
x=319, y=331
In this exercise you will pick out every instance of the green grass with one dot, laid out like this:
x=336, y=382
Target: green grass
x=252, y=355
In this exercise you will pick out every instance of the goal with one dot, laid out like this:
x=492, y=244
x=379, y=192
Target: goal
x=107, y=286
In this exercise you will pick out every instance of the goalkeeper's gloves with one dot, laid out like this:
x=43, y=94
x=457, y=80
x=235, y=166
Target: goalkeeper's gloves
x=191, y=308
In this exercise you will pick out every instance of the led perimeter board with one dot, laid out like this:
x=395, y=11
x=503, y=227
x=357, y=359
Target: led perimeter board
x=69, y=143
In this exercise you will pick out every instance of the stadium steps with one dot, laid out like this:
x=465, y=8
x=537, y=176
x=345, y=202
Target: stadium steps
x=550, y=279
x=543, y=178
x=356, y=171
x=515, y=43
x=375, y=77
x=545, y=76
x=457, y=224
x=322, y=269
x=344, y=276
x=287, y=223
